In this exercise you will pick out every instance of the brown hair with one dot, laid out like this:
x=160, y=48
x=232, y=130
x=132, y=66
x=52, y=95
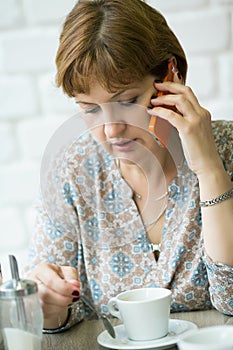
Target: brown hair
x=114, y=42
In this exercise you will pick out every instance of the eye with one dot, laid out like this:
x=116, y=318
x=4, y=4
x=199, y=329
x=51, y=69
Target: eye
x=91, y=110
x=129, y=102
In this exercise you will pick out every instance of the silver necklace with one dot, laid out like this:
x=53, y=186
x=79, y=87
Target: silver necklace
x=136, y=194
x=146, y=224
x=139, y=196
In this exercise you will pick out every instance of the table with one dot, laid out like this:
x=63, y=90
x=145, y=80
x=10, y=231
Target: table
x=83, y=336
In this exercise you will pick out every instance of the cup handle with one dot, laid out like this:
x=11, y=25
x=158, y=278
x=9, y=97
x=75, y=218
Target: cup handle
x=112, y=307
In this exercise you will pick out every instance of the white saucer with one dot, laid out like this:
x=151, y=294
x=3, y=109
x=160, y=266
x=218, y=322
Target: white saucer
x=175, y=329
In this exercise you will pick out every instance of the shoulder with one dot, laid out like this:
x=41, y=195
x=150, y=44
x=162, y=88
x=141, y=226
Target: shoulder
x=223, y=134
x=223, y=131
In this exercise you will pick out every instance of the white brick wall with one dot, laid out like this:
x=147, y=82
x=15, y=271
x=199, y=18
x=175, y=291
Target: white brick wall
x=31, y=108
x=17, y=97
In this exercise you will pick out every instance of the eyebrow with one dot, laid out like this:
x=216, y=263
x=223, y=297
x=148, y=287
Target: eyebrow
x=114, y=96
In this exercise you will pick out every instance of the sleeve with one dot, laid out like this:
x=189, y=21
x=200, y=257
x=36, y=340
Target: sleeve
x=220, y=275
x=56, y=238
x=221, y=285
x=223, y=134
x=56, y=241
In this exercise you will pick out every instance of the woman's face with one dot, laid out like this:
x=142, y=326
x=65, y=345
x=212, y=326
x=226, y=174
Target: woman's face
x=119, y=120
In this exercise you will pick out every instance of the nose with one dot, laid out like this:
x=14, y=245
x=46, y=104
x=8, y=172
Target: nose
x=114, y=123
x=114, y=129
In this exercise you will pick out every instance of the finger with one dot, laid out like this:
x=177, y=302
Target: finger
x=52, y=277
x=182, y=105
x=174, y=118
x=50, y=297
x=175, y=88
x=71, y=275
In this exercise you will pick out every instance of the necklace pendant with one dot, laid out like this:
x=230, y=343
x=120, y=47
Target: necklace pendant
x=137, y=195
x=156, y=247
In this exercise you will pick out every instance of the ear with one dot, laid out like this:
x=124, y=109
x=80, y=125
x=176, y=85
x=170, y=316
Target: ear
x=176, y=75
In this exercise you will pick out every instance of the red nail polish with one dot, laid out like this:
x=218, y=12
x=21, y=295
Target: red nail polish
x=74, y=300
x=76, y=293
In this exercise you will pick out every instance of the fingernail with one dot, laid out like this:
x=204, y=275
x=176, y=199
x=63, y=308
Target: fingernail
x=76, y=293
x=179, y=75
x=74, y=300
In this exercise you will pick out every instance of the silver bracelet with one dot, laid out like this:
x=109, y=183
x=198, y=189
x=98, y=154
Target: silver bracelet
x=222, y=198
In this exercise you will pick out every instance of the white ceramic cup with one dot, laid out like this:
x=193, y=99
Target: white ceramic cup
x=208, y=338
x=144, y=312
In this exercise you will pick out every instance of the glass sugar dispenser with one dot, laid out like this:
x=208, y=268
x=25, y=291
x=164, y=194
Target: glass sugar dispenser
x=21, y=316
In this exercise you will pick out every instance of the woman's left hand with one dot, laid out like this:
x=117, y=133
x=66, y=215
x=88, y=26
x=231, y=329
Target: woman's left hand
x=181, y=108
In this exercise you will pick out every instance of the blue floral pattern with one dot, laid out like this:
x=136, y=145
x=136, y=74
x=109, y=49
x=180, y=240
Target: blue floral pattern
x=199, y=277
x=92, y=229
x=99, y=231
x=121, y=264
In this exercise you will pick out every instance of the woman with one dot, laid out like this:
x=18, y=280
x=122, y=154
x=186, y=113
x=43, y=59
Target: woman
x=129, y=212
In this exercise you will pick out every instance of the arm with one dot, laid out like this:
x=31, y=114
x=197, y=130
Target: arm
x=195, y=129
x=58, y=288
x=53, y=245
x=218, y=218
x=194, y=126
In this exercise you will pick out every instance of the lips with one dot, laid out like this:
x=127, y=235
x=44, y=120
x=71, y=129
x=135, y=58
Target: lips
x=123, y=145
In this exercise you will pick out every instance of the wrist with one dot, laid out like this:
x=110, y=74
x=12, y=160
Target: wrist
x=58, y=321
x=212, y=169
x=221, y=198
x=214, y=184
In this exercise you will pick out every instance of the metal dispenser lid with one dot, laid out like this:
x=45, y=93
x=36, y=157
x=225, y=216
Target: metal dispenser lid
x=12, y=289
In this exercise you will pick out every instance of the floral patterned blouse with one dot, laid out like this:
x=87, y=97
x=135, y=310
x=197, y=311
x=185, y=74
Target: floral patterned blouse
x=87, y=218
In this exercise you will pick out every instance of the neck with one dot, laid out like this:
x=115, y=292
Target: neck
x=152, y=171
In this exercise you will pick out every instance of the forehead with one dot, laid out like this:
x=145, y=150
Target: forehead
x=97, y=92
x=100, y=94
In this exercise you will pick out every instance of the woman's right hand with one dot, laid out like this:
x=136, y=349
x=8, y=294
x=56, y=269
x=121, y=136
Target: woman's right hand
x=58, y=288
